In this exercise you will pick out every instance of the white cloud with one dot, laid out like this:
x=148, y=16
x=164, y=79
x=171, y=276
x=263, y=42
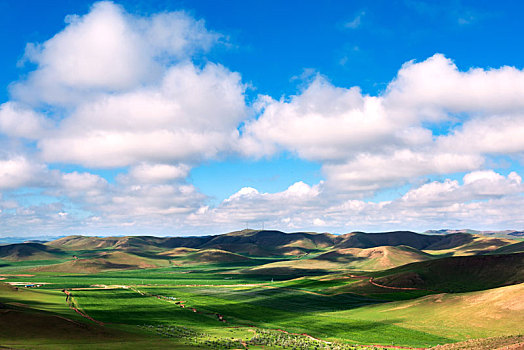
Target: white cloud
x=435, y=88
x=435, y=204
x=108, y=50
x=366, y=143
x=18, y=171
x=370, y=172
x=178, y=34
x=477, y=185
x=498, y=134
x=84, y=188
x=125, y=92
x=324, y=122
x=18, y=121
x=284, y=209
x=164, y=204
x=157, y=173
x=168, y=123
x=355, y=22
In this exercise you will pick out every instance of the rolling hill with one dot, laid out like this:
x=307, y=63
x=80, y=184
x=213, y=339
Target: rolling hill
x=377, y=258
x=457, y=274
x=512, y=248
x=215, y=256
x=277, y=243
x=262, y=243
x=489, y=313
x=103, y=261
x=29, y=251
x=405, y=238
x=267, y=243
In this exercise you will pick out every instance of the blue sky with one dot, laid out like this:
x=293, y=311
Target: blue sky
x=193, y=117
x=287, y=37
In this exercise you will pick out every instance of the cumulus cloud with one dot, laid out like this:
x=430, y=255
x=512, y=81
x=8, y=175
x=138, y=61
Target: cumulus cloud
x=476, y=185
x=282, y=209
x=147, y=202
x=157, y=173
x=324, y=122
x=127, y=92
x=20, y=121
x=494, y=134
x=368, y=142
x=435, y=89
x=435, y=204
x=169, y=122
x=120, y=90
x=108, y=50
x=371, y=172
x=19, y=171
x=84, y=188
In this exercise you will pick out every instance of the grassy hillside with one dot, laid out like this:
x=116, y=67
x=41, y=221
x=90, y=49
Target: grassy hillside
x=215, y=256
x=103, y=261
x=181, y=302
x=40, y=319
x=378, y=258
x=489, y=313
x=261, y=243
x=512, y=248
x=370, y=259
x=126, y=243
x=406, y=238
x=478, y=245
x=29, y=251
x=458, y=274
x=83, y=243
x=268, y=243
x=176, y=252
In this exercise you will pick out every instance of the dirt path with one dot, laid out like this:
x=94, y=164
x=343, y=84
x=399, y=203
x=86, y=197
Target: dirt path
x=396, y=288
x=221, y=285
x=397, y=347
x=371, y=280
x=71, y=303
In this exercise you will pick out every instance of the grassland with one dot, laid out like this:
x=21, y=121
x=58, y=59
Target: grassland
x=122, y=293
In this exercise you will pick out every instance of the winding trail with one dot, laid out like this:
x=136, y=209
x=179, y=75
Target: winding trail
x=71, y=303
x=396, y=288
x=371, y=280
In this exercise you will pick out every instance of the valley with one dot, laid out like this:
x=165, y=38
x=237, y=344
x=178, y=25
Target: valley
x=264, y=290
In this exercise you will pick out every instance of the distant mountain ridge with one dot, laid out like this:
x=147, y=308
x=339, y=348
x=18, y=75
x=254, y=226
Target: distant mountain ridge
x=299, y=250
x=272, y=242
x=514, y=233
